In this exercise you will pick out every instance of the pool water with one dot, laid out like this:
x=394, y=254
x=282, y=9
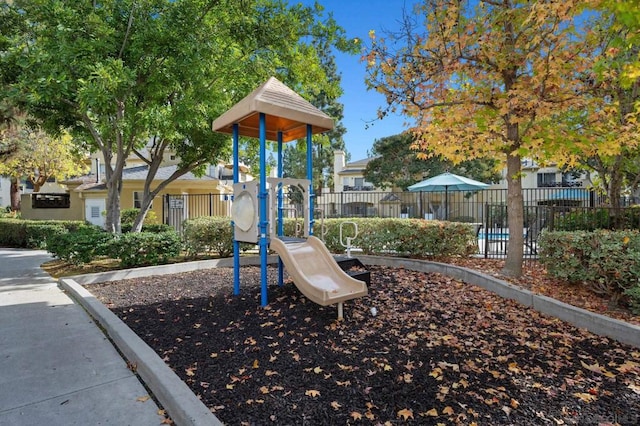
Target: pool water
x=494, y=236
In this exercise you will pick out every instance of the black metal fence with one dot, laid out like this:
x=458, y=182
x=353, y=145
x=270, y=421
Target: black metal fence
x=567, y=208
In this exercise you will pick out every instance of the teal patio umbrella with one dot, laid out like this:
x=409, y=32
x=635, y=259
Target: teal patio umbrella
x=446, y=182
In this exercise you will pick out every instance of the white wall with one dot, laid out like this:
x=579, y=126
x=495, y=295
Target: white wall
x=5, y=186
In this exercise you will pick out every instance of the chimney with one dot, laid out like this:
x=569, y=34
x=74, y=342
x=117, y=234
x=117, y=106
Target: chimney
x=338, y=166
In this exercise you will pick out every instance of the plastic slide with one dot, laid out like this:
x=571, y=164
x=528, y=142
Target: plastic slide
x=316, y=273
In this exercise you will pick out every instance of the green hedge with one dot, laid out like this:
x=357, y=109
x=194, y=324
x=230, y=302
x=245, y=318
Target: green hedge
x=206, y=235
x=592, y=219
x=379, y=236
x=402, y=237
x=607, y=262
x=144, y=248
x=80, y=246
x=33, y=233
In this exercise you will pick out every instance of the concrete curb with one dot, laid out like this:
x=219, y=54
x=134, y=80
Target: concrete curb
x=581, y=318
x=176, y=397
x=174, y=268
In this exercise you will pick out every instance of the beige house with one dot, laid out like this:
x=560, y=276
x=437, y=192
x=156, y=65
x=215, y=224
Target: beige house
x=84, y=198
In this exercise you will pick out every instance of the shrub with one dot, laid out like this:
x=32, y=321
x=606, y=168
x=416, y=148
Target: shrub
x=400, y=237
x=633, y=294
x=13, y=233
x=155, y=227
x=586, y=220
x=33, y=233
x=144, y=248
x=129, y=215
x=79, y=246
x=607, y=262
x=208, y=235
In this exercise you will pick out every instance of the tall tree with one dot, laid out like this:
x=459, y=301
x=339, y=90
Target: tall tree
x=613, y=117
x=396, y=165
x=126, y=73
x=327, y=101
x=486, y=79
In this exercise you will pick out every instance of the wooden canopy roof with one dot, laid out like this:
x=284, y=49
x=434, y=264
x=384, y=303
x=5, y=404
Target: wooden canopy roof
x=285, y=112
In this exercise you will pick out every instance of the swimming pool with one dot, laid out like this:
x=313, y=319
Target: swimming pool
x=494, y=236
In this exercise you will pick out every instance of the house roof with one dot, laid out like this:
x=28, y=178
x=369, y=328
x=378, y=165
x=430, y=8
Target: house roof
x=285, y=111
x=163, y=173
x=359, y=163
x=88, y=182
x=355, y=167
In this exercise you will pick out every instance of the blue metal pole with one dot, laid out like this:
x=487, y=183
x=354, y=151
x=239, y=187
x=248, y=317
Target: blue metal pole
x=262, y=196
x=280, y=206
x=310, y=176
x=236, y=244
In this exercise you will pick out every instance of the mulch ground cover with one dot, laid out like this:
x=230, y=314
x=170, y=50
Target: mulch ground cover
x=433, y=351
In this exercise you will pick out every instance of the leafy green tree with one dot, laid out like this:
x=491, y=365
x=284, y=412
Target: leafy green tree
x=487, y=79
x=396, y=165
x=324, y=145
x=130, y=74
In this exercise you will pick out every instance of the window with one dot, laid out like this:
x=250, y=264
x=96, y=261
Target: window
x=137, y=200
x=50, y=201
x=95, y=211
x=546, y=180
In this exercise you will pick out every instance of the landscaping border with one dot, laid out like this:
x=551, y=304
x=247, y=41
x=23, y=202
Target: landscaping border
x=581, y=318
x=186, y=409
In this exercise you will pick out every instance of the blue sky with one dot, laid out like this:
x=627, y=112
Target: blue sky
x=357, y=17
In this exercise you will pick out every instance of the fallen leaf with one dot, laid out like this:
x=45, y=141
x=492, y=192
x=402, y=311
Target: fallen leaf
x=586, y=397
x=448, y=411
x=432, y=413
x=143, y=398
x=256, y=364
x=355, y=415
x=406, y=413
x=335, y=405
x=312, y=393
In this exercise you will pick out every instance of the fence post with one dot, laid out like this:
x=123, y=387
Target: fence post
x=165, y=209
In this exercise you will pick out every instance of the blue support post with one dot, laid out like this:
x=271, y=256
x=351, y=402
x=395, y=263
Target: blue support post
x=280, y=207
x=236, y=244
x=310, y=176
x=263, y=219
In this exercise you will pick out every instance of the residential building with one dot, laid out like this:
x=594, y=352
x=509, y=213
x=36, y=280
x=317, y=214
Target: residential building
x=84, y=197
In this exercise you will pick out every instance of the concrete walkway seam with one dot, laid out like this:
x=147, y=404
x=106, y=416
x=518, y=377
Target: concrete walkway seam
x=596, y=323
x=182, y=405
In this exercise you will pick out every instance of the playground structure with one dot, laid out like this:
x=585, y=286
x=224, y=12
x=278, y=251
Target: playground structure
x=275, y=112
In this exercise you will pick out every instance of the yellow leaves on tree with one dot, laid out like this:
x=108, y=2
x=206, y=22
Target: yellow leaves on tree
x=41, y=157
x=492, y=81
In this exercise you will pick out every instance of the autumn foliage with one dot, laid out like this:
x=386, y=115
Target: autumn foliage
x=490, y=79
x=438, y=351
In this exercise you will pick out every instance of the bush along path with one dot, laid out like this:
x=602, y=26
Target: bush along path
x=437, y=351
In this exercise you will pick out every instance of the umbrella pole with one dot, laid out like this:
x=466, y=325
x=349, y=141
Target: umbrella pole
x=446, y=202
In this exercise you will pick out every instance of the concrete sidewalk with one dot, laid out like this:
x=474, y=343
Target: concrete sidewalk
x=56, y=366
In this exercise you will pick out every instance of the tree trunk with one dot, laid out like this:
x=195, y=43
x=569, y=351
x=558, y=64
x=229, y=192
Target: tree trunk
x=142, y=214
x=515, y=219
x=113, y=208
x=14, y=192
